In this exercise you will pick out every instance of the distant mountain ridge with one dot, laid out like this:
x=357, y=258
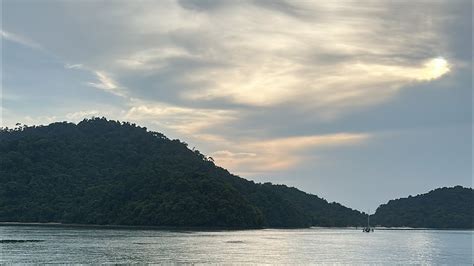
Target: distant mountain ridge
x=447, y=207
x=106, y=172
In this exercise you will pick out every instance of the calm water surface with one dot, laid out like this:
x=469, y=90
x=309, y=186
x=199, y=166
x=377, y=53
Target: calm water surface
x=272, y=246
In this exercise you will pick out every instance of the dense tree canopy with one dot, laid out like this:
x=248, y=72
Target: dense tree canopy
x=440, y=208
x=106, y=172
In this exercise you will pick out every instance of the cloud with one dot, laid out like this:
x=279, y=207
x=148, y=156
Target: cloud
x=74, y=66
x=187, y=121
x=276, y=82
x=76, y=116
x=39, y=120
x=270, y=155
x=153, y=59
x=331, y=57
x=20, y=40
x=229, y=154
x=107, y=83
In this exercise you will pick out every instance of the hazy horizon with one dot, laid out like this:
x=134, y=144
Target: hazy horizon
x=355, y=103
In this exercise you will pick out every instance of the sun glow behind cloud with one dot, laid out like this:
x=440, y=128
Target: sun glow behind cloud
x=276, y=81
x=435, y=68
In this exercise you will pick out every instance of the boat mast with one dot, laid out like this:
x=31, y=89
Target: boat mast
x=368, y=220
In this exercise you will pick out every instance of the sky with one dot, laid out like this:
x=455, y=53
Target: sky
x=358, y=102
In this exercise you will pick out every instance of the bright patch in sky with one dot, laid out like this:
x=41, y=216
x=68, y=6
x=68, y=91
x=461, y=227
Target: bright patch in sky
x=436, y=68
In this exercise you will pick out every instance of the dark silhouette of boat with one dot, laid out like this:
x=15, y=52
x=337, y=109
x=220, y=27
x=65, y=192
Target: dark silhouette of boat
x=368, y=229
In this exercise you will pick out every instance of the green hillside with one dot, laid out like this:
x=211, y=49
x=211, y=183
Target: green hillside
x=440, y=208
x=106, y=172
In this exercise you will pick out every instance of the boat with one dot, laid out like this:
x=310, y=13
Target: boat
x=368, y=229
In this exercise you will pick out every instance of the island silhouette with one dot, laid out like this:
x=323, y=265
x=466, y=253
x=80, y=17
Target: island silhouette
x=105, y=172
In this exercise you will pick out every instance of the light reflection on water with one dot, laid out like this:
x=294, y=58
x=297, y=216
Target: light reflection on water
x=273, y=246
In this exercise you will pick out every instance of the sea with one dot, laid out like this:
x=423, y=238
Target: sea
x=84, y=245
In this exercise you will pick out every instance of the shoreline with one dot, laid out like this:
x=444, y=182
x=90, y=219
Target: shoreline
x=191, y=228
x=128, y=227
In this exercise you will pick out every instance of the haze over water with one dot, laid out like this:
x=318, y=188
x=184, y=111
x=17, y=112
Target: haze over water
x=295, y=246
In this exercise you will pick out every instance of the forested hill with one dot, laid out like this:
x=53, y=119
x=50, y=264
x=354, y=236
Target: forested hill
x=440, y=208
x=107, y=172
